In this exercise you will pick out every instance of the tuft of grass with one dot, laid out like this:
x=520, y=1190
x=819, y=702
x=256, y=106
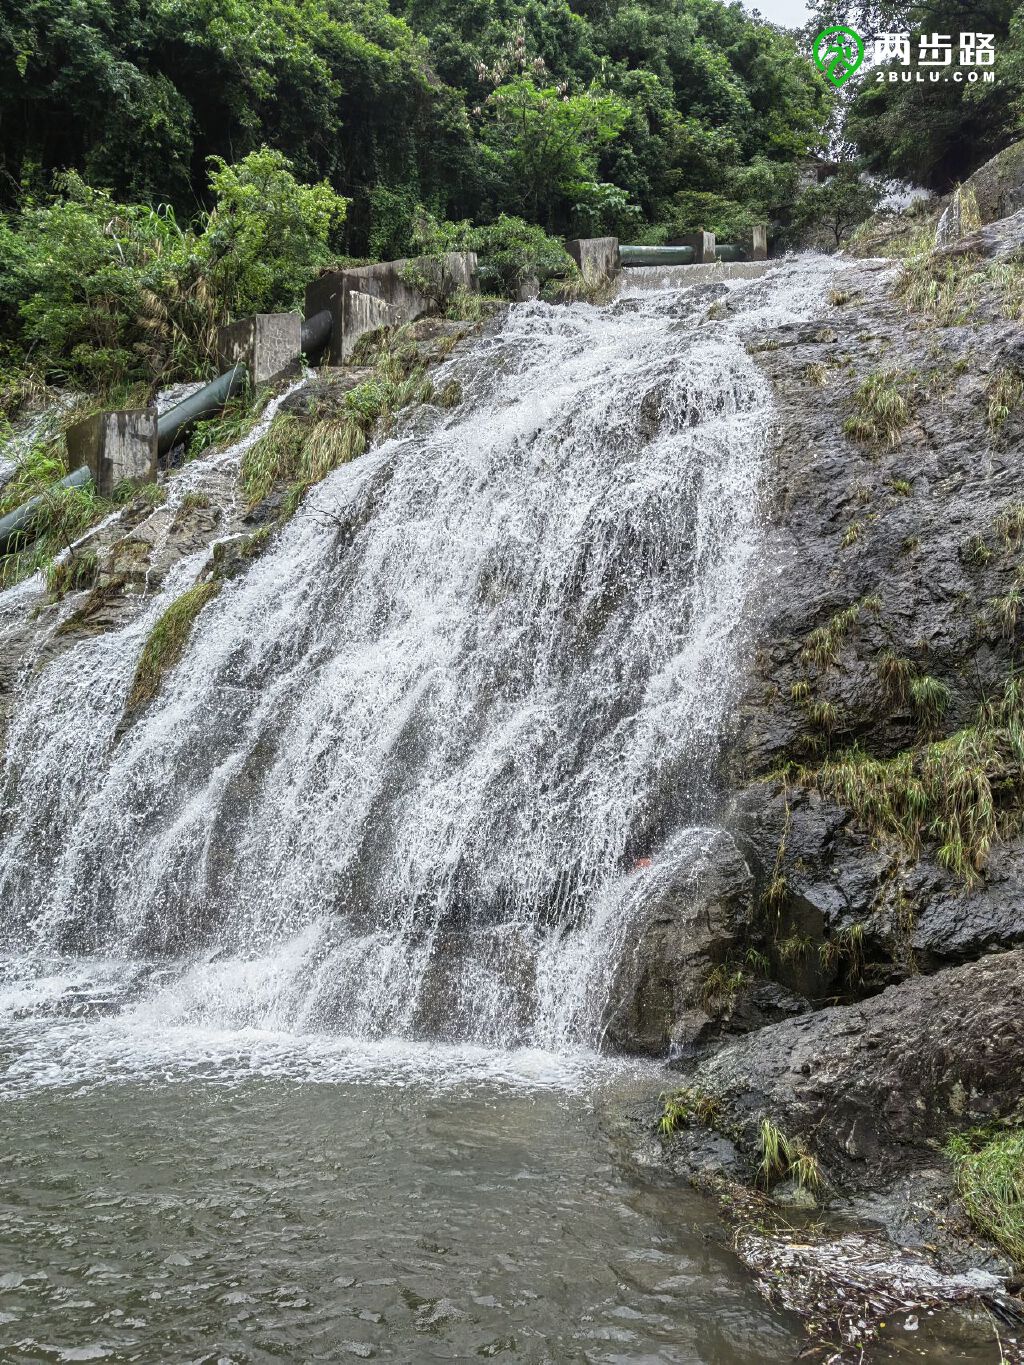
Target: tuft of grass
x=845, y=946
x=988, y=1170
x=825, y=642
x=1004, y=393
x=1010, y=525
x=816, y=373
x=194, y=502
x=235, y=420
x=800, y=691
x=143, y=495
x=837, y=297
x=929, y=698
x=62, y=516
x=166, y=642
x=976, y=551
x=901, y=487
x=719, y=987
x=963, y=792
x=782, y=1157
x=686, y=1107
x=824, y=714
x=794, y=948
x=882, y=409
x=852, y=534
x=895, y=673
x=71, y=573
x=1006, y=608
x=943, y=289
x=295, y=451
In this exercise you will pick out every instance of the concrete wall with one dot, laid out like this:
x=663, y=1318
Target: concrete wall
x=392, y=283
x=117, y=447
x=268, y=345
x=366, y=313
x=597, y=258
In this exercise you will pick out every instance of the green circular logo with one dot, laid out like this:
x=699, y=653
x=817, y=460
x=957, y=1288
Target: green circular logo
x=838, y=52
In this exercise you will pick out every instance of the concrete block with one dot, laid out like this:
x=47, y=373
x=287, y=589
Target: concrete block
x=391, y=282
x=597, y=258
x=753, y=242
x=703, y=244
x=268, y=344
x=364, y=313
x=117, y=447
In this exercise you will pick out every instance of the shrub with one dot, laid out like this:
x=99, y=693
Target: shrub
x=106, y=292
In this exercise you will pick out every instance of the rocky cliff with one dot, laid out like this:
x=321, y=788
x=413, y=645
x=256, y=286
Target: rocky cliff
x=855, y=988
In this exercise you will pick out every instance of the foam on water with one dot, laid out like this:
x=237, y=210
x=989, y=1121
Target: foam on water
x=424, y=769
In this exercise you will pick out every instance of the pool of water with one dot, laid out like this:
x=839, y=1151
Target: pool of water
x=275, y=1219
x=192, y=1194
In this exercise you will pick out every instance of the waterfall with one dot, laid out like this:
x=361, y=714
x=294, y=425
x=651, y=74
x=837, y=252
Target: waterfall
x=427, y=761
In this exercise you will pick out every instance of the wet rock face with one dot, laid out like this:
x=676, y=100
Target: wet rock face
x=903, y=980
x=894, y=544
x=691, y=929
x=878, y=1081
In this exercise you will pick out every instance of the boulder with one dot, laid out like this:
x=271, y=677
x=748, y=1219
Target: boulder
x=994, y=191
x=870, y=1085
x=699, y=914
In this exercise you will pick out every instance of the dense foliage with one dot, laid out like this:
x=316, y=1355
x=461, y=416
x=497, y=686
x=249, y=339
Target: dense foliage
x=934, y=133
x=166, y=164
x=109, y=292
x=577, y=116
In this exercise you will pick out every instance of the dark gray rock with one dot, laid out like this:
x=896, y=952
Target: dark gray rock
x=699, y=916
x=875, y=1085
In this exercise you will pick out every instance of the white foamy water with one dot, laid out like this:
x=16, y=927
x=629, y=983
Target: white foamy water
x=425, y=767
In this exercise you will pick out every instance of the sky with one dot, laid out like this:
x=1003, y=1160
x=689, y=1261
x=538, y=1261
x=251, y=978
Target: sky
x=792, y=13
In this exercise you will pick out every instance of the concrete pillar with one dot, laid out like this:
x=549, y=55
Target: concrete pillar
x=753, y=242
x=117, y=447
x=268, y=345
x=597, y=258
x=703, y=244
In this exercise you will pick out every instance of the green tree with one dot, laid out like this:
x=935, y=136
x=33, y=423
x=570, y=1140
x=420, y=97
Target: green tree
x=266, y=234
x=835, y=207
x=546, y=142
x=934, y=133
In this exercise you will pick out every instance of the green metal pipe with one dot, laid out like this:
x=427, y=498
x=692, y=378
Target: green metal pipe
x=656, y=255
x=172, y=424
x=21, y=522
x=727, y=252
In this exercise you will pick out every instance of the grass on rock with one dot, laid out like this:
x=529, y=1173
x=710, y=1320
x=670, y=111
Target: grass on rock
x=166, y=642
x=989, y=1175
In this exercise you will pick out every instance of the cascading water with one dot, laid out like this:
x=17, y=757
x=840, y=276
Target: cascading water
x=425, y=764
